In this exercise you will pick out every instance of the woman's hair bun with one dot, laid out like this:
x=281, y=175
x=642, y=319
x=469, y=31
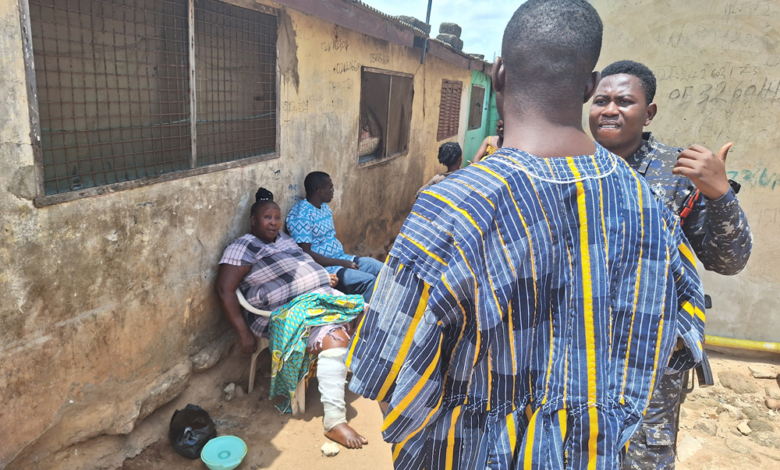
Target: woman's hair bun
x=263, y=194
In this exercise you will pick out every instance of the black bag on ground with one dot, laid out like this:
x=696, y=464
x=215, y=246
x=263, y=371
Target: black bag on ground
x=191, y=428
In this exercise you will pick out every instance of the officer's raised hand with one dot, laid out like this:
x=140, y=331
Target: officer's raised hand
x=706, y=170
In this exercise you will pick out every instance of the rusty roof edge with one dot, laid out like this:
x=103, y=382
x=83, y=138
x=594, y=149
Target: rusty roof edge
x=483, y=66
x=418, y=31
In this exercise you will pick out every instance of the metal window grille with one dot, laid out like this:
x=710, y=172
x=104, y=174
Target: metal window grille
x=113, y=87
x=235, y=65
x=449, y=109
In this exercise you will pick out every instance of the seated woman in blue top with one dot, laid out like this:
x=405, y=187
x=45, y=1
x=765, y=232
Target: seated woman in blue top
x=272, y=271
x=310, y=222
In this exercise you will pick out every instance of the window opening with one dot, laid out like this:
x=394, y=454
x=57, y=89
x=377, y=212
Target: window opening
x=476, y=108
x=113, y=88
x=385, y=114
x=235, y=65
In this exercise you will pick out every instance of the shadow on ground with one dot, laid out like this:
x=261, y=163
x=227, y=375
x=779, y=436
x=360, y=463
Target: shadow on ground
x=275, y=441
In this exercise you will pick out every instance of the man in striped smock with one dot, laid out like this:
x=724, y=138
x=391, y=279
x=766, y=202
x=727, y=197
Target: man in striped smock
x=532, y=301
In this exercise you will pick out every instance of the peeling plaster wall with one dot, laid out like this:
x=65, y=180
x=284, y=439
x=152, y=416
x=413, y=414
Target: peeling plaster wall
x=104, y=299
x=718, y=74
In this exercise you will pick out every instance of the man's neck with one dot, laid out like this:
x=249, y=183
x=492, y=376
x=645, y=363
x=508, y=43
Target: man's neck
x=626, y=151
x=314, y=201
x=547, y=137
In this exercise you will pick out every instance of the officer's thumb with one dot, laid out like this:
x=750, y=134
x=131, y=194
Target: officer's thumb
x=724, y=151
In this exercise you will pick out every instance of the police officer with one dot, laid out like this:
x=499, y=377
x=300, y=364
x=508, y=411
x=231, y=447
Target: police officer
x=693, y=183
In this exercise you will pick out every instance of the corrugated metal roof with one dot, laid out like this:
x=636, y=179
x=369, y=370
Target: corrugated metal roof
x=417, y=31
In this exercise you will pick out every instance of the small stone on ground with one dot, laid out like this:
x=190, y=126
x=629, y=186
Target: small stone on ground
x=330, y=449
x=763, y=372
x=760, y=425
x=707, y=426
x=744, y=428
x=732, y=411
x=229, y=392
x=736, y=382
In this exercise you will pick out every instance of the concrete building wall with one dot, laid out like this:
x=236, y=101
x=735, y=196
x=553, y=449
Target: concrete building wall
x=718, y=76
x=103, y=300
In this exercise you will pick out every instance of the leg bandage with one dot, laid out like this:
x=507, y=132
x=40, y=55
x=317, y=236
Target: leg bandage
x=332, y=377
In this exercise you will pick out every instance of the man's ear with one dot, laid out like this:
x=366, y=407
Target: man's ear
x=252, y=220
x=593, y=83
x=499, y=75
x=652, y=110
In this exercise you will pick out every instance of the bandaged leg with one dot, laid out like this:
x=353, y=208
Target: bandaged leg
x=332, y=378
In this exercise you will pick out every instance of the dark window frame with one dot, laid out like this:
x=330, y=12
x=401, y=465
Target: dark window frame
x=43, y=199
x=384, y=157
x=472, y=103
x=449, y=109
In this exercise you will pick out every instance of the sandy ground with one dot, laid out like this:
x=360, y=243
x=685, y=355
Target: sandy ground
x=708, y=440
x=277, y=441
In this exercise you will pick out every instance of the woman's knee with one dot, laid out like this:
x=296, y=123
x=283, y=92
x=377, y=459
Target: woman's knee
x=335, y=339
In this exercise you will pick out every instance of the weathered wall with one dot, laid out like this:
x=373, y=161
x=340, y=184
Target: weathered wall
x=321, y=128
x=103, y=300
x=718, y=74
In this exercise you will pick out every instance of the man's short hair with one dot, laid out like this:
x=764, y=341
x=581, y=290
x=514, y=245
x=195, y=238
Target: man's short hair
x=640, y=71
x=555, y=43
x=314, y=181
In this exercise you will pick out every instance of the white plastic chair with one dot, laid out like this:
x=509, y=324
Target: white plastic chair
x=298, y=403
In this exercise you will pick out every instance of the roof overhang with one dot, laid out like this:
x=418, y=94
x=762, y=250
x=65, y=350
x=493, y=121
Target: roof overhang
x=371, y=22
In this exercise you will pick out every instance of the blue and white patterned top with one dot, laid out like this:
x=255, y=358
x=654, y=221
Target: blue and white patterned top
x=307, y=224
x=525, y=313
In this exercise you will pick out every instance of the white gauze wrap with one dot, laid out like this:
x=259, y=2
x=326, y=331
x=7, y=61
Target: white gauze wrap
x=332, y=378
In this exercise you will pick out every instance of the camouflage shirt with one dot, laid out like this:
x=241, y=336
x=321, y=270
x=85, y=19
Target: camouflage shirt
x=719, y=233
x=717, y=229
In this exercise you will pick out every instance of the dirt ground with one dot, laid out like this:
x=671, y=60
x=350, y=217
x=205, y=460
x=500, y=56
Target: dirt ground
x=709, y=437
x=277, y=441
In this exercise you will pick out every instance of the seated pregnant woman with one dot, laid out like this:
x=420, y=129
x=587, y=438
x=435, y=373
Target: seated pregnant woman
x=274, y=274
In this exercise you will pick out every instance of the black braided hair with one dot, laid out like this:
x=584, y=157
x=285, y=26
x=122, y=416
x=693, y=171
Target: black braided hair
x=449, y=153
x=263, y=194
x=262, y=197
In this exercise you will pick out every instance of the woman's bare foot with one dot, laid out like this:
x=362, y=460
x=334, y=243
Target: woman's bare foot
x=346, y=436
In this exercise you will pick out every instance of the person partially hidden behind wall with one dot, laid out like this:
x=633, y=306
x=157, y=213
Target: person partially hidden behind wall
x=310, y=223
x=693, y=184
x=531, y=302
x=491, y=144
x=451, y=156
x=273, y=273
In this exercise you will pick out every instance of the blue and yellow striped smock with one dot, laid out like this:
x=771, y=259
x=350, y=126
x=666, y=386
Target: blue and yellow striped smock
x=524, y=314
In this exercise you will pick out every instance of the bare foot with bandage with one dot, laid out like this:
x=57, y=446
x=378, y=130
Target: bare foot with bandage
x=346, y=436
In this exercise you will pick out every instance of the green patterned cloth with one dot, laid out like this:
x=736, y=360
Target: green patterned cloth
x=289, y=333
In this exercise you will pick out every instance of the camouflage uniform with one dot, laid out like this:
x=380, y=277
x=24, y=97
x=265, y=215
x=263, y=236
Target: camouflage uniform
x=719, y=234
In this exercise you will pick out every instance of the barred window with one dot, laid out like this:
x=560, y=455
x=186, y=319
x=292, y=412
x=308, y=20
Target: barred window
x=449, y=109
x=114, y=94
